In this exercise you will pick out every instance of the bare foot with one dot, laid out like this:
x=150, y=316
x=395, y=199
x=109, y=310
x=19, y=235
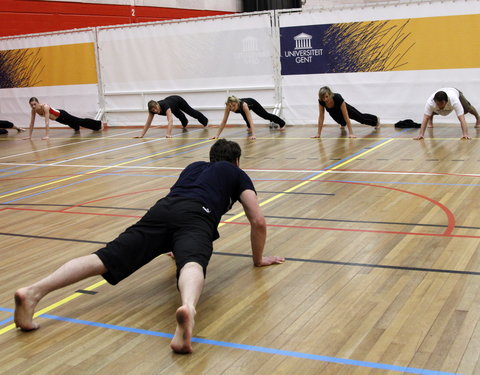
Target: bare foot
x=24, y=308
x=378, y=123
x=182, y=341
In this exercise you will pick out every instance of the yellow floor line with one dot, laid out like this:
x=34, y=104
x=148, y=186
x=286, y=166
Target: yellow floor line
x=102, y=282
x=98, y=170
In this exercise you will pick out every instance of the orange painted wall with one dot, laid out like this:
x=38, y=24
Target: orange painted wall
x=27, y=16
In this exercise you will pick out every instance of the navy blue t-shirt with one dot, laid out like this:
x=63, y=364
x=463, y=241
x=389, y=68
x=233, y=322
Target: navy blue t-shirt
x=218, y=185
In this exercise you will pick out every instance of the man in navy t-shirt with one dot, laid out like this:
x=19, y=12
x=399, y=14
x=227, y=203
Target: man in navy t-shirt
x=185, y=223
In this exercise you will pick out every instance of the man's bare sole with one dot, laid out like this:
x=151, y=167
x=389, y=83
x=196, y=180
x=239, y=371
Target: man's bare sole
x=24, y=309
x=182, y=341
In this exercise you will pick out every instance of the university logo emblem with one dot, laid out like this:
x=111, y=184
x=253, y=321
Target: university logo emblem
x=303, y=41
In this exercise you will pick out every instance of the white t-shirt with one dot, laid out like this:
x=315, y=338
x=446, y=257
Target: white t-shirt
x=453, y=103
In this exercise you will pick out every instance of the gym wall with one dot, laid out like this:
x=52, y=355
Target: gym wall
x=38, y=16
x=384, y=60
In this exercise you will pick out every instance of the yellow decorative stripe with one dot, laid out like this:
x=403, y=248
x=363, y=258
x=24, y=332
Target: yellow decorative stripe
x=443, y=43
x=69, y=64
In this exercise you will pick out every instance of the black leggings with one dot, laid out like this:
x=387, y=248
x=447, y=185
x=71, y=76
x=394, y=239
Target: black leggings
x=181, y=106
x=257, y=108
x=355, y=114
x=66, y=118
x=6, y=124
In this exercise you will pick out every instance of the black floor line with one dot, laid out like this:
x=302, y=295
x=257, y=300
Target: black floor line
x=351, y=264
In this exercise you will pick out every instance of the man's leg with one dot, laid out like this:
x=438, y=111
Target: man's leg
x=27, y=298
x=474, y=112
x=468, y=108
x=190, y=284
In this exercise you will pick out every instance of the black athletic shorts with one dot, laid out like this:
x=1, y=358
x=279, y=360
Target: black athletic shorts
x=176, y=224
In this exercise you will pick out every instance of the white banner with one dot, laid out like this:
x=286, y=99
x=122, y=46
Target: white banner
x=202, y=60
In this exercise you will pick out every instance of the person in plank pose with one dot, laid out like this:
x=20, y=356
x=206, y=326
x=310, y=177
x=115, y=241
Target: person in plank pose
x=61, y=116
x=341, y=112
x=443, y=102
x=245, y=106
x=184, y=222
x=172, y=106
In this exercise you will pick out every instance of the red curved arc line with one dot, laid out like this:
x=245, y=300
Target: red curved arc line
x=450, y=215
x=268, y=225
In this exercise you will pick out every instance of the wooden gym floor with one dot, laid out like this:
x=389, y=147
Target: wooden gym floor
x=381, y=235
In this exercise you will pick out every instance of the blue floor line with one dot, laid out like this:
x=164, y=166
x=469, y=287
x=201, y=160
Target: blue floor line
x=259, y=349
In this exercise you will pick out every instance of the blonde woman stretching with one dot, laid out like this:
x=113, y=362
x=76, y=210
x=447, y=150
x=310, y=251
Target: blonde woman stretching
x=244, y=106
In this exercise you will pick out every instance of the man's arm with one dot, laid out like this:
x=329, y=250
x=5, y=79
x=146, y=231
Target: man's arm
x=421, y=133
x=463, y=124
x=258, y=230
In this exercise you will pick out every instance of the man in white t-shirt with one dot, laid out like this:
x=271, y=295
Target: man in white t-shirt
x=443, y=102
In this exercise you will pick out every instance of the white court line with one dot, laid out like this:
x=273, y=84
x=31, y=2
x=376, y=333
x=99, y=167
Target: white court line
x=89, y=155
x=248, y=170
x=67, y=144
x=105, y=151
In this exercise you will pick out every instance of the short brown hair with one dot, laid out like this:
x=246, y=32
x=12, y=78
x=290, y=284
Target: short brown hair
x=151, y=105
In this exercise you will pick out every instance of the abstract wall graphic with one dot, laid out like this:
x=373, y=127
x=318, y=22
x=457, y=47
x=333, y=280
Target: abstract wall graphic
x=378, y=46
x=367, y=46
x=69, y=64
x=19, y=68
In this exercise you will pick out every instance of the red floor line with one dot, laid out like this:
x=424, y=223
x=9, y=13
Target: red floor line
x=268, y=225
x=111, y=197
x=450, y=216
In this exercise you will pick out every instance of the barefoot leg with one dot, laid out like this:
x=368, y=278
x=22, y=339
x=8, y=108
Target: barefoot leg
x=24, y=308
x=182, y=341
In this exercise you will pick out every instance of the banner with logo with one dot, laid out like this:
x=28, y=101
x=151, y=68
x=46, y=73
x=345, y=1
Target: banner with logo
x=379, y=46
x=384, y=59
